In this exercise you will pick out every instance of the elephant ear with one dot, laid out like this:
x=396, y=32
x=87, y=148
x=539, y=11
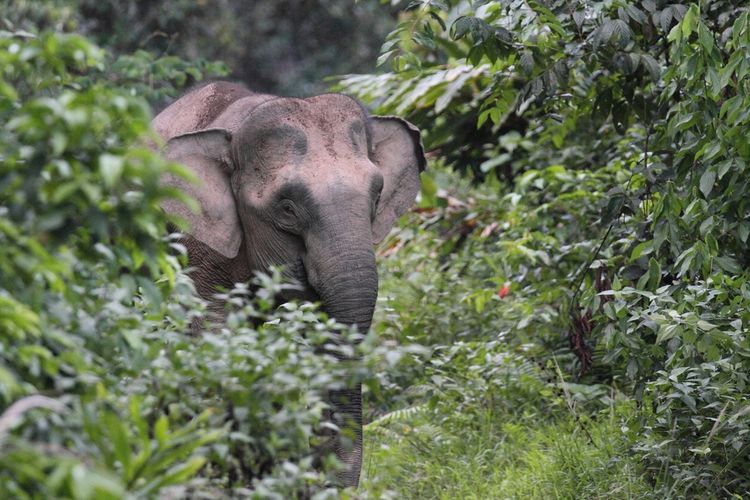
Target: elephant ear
x=398, y=152
x=207, y=155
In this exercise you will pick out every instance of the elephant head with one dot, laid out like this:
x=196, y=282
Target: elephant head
x=309, y=185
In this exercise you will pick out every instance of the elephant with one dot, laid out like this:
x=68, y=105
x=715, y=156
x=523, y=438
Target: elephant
x=306, y=184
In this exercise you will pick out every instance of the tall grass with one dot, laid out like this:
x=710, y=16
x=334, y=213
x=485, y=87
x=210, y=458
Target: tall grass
x=501, y=456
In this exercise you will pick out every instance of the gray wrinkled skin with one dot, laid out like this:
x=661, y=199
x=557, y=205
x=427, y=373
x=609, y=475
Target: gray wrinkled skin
x=307, y=184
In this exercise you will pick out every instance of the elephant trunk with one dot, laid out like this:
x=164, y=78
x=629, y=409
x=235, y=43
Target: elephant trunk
x=346, y=414
x=348, y=287
x=347, y=283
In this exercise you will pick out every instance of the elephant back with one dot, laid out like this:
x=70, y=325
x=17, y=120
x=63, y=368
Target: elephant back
x=197, y=109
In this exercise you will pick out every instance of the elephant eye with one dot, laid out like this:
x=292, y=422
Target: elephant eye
x=287, y=209
x=287, y=215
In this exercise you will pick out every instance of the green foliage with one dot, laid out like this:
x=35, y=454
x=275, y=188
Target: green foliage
x=161, y=79
x=611, y=139
x=521, y=455
x=279, y=46
x=494, y=429
x=569, y=318
x=105, y=390
x=82, y=242
x=157, y=78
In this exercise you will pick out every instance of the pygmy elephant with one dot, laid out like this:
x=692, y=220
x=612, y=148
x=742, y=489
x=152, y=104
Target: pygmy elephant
x=309, y=185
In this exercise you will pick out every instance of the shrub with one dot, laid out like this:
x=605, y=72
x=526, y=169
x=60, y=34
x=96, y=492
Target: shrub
x=105, y=391
x=611, y=141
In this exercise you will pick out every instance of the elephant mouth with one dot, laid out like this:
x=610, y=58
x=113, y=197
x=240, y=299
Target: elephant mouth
x=299, y=287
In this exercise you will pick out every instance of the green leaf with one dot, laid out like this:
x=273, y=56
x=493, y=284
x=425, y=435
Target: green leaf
x=437, y=18
x=176, y=475
x=110, y=168
x=460, y=27
x=161, y=430
x=621, y=32
x=685, y=261
x=690, y=21
x=664, y=18
x=643, y=248
x=384, y=57
x=651, y=65
x=707, y=182
x=705, y=325
x=654, y=273
x=603, y=34
x=118, y=434
x=636, y=14
x=548, y=17
x=705, y=38
x=729, y=264
x=744, y=231
x=667, y=332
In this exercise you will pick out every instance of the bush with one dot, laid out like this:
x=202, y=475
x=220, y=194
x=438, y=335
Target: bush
x=609, y=138
x=105, y=391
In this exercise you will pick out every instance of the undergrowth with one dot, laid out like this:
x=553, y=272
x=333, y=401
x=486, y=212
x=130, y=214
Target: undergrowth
x=503, y=457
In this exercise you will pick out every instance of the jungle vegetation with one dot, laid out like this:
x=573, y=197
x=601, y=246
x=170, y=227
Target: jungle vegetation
x=564, y=314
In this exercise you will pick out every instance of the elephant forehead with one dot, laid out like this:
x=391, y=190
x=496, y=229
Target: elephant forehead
x=314, y=141
x=329, y=124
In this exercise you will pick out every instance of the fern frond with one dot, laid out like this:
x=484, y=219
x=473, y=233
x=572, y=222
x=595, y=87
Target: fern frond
x=397, y=416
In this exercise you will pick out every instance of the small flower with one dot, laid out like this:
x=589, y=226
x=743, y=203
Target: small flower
x=504, y=290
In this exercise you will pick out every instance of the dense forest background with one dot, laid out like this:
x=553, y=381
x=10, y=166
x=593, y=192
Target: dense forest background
x=564, y=314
